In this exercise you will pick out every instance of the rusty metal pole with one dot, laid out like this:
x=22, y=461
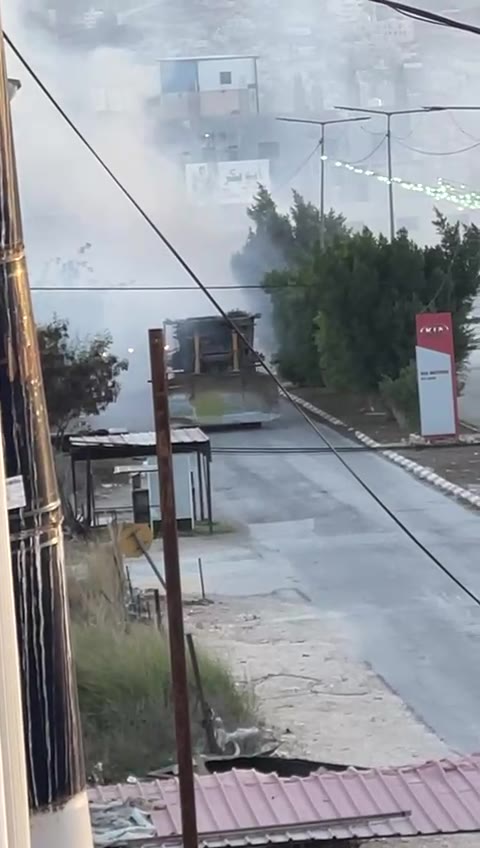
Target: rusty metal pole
x=53, y=746
x=174, y=589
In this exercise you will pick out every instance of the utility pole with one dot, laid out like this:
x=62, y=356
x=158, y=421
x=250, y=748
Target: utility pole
x=55, y=770
x=390, y=177
x=14, y=814
x=322, y=191
x=171, y=557
x=323, y=159
x=392, y=113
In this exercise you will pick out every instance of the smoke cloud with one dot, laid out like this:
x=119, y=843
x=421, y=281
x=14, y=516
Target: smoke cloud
x=313, y=55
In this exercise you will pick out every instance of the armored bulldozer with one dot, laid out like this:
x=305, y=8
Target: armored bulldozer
x=214, y=379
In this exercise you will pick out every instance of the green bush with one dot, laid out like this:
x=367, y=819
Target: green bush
x=401, y=397
x=125, y=697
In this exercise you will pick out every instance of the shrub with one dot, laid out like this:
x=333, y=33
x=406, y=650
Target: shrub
x=125, y=697
x=401, y=397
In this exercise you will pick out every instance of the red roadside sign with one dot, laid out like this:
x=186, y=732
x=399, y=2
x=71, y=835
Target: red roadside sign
x=436, y=374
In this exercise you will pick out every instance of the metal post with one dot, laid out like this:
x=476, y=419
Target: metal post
x=200, y=485
x=90, y=517
x=158, y=609
x=236, y=361
x=14, y=816
x=390, y=177
x=55, y=769
x=74, y=485
x=322, y=190
x=209, y=496
x=196, y=348
x=174, y=589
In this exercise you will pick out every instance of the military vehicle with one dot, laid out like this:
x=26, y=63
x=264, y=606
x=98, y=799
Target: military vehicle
x=214, y=379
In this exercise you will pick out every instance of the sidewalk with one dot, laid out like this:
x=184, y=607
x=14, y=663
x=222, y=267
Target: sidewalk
x=323, y=703
x=459, y=464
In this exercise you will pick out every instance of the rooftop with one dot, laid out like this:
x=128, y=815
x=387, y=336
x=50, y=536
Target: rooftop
x=207, y=58
x=121, y=445
x=245, y=808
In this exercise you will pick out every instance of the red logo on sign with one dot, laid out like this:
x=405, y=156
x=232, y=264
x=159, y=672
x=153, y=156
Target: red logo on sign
x=439, y=328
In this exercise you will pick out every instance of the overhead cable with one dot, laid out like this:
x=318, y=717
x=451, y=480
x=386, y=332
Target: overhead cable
x=427, y=17
x=228, y=319
x=438, y=153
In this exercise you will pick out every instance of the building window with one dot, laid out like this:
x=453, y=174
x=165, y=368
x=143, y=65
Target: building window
x=225, y=77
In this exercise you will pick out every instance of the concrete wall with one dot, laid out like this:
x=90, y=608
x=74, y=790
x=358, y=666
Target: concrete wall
x=242, y=73
x=182, y=464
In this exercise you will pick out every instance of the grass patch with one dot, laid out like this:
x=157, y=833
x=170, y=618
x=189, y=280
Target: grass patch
x=125, y=696
x=123, y=675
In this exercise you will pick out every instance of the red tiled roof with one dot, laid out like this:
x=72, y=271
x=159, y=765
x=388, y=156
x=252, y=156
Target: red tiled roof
x=440, y=797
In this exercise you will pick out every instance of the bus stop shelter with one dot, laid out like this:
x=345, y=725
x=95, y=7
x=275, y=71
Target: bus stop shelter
x=89, y=449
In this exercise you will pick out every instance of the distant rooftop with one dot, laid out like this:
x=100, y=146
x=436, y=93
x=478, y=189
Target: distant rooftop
x=207, y=58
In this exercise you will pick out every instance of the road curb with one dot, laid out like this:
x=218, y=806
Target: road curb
x=415, y=468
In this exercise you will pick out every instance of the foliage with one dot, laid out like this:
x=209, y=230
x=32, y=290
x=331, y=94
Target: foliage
x=345, y=316
x=276, y=248
x=401, y=397
x=80, y=375
x=126, y=701
x=123, y=671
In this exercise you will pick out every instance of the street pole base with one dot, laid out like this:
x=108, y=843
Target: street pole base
x=68, y=825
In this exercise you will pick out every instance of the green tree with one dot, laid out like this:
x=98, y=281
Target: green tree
x=371, y=290
x=81, y=376
x=345, y=316
x=278, y=254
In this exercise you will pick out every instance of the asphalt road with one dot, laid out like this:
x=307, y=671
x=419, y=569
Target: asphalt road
x=303, y=522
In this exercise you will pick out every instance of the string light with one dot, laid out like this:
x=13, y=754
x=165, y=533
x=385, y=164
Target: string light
x=460, y=196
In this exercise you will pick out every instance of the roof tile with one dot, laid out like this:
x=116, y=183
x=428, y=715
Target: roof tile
x=432, y=798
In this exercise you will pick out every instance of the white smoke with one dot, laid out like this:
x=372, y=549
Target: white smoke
x=68, y=201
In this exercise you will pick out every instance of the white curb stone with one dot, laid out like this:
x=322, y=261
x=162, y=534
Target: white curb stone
x=414, y=467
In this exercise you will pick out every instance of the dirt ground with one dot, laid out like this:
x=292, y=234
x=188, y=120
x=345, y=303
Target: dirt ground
x=322, y=703
x=460, y=464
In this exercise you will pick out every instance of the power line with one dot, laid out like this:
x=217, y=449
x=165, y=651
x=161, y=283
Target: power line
x=269, y=286
x=461, y=129
x=317, y=146
x=438, y=153
x=191, y=273
x=300, y=167
x=428, y=17
x=369, y=155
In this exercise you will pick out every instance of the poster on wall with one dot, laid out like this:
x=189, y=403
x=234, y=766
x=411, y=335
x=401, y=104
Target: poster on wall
x=436, y=375
x=238, y=181
x=226, y=182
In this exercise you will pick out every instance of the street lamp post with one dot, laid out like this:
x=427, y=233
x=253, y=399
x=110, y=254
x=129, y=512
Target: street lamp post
x=389, y=114
x=323, y=159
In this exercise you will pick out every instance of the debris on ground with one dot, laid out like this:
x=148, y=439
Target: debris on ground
x=117, y=823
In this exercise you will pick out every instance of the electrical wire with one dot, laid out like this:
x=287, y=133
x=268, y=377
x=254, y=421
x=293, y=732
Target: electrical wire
x=230, y=322
x=300, y=167
x=264, y=286
x=461, y=129
x=369, y=155
x=427, y=17
x=438, y=153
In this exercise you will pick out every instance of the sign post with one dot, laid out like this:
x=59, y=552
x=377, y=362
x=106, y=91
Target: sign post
x=436, y=375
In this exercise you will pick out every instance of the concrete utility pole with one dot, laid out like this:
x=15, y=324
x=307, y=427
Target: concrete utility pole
x=171, y=557
x=323, y=159
x=55, y=770
x=14, y=814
